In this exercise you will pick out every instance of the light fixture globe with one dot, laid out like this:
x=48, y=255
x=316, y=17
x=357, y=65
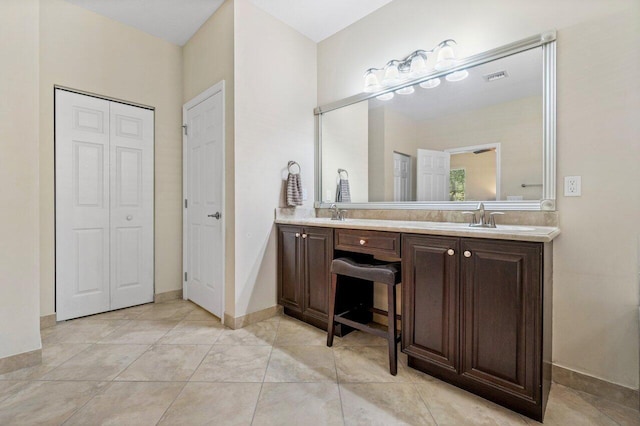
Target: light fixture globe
x=446, y=56
x=371, y=83
x=405, y=90
x=391, y=74
x=431, y=83
x=457, y=76
x=418, y=66
x=385, y=97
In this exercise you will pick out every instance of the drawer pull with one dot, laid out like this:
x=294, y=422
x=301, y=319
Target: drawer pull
x=451, y=252
x=363, y=242
x=467, y=253
x=304, y=235
x=297, y=235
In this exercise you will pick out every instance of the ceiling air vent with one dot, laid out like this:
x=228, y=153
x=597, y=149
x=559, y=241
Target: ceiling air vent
x=495, y=76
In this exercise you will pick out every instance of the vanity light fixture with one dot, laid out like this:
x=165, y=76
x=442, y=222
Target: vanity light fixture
x=385, y=97
x=413, y=66
x=405, y=90
x=457, y=76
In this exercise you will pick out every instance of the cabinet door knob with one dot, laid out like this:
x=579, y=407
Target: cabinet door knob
x=467, y=253
x=451, y=252
x=297, y=235
x=304, y=235
x=363, y=242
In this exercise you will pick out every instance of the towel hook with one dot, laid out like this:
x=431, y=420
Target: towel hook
x=291, y=164
x=340, y=171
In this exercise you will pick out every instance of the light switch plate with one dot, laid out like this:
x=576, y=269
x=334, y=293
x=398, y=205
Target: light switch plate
x=572, y=186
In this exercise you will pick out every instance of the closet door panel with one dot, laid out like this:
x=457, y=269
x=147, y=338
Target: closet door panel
x=131, y=177
x=82, y=205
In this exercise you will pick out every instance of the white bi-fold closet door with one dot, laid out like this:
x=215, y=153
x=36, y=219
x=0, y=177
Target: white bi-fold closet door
x=104, y=205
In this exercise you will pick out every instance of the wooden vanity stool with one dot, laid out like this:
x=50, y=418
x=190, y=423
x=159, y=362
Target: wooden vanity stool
x=380, y=272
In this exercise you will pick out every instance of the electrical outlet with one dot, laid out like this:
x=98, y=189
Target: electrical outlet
x=572, y=186
x=304, y=194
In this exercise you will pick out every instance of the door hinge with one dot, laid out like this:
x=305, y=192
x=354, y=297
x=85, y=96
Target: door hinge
x=186, y=204
x=186, y=131
x=185, y=276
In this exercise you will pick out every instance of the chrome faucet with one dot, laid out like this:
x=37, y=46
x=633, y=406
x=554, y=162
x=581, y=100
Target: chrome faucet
x=337, y=214
x=481, y=222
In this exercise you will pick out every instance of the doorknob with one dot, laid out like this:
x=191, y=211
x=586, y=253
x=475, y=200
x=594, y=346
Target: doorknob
x=216, y=215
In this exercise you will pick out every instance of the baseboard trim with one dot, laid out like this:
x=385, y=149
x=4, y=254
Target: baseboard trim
x=23, y=360
x=252, y=318
x=583, y=382
x=167, y=295
x=47, y=321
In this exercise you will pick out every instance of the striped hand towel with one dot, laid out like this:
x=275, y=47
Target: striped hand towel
x=343, y=193
x=294, y=190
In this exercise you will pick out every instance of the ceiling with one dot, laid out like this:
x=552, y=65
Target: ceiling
x=319, y=19
x=177, y=20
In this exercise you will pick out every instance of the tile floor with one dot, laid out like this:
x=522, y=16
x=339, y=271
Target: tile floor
x=174, y=364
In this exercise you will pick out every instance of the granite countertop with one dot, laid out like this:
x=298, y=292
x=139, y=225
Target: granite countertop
x=501, y=232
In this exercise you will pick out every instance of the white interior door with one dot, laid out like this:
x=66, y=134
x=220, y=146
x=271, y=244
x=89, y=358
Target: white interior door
x=204, y=194
x=131, y=175
x=401, y=177
x=82, y=205
x=433, y=175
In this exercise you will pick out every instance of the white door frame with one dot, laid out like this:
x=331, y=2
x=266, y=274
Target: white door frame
x=468, y=149
x=218, y=87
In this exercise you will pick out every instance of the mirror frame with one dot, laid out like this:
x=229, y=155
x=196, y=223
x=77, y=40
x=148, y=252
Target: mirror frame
x=545, y=40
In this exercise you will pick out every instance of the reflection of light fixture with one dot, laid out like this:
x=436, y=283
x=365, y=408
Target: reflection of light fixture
x=371, y=83
x=457, y=76
x=391, y=74
x=446, y=56
x=405, y=90
x=385, y=97
x=413, y=66
x=430, y=84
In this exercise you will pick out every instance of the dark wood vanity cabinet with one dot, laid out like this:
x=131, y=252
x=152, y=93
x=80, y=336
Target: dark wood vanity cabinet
x=304, y=279
x=476, y=313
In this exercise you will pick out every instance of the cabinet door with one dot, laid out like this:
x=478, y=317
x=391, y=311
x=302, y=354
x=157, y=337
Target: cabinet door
x=318, y=253
x=501, y=321
x=289, y=267
x=430, y=300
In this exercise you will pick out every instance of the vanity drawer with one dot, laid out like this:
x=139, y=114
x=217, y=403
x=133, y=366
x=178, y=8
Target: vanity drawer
x=370, y=242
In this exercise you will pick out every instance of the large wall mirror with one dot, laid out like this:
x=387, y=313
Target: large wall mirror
x=489, y=137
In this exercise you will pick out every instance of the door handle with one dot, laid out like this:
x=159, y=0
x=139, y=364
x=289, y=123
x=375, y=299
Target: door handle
x=217, y=215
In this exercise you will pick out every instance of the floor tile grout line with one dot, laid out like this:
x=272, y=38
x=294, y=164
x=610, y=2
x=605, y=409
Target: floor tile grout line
x=164, y=413
x=255, y=409
x=335, y=365
x=424, y=401
x=597, y=409
x=100, y=392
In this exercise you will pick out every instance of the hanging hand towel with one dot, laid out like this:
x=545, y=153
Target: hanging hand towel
x=294, y=189
x=343, y=193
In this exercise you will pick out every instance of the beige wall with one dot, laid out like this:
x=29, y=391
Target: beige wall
x=480, y=174
x=596, y=258
x=400, y=134
x=515, y=125
x=86, y=51
x=19, y=302
x=275, y=94
x=345, y=145
x=208, y=58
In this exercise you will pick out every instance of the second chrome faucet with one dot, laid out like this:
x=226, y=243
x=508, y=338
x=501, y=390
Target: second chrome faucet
x=479, y=218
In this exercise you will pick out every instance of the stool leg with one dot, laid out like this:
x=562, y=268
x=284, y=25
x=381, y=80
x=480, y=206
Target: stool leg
x=332, y=309
x=392, y=332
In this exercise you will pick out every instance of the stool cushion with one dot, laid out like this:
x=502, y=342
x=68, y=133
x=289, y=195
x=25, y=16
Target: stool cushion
x=383, y=272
